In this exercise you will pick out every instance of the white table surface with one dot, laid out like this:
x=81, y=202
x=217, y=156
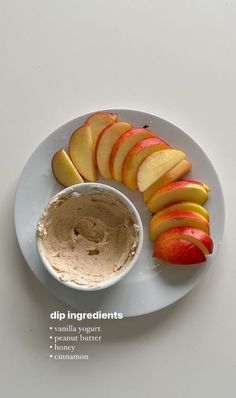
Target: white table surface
x=176, y=59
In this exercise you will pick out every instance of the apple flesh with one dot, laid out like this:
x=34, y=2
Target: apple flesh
x=63, y=169
x=81, y=152
x=193, y=235
x=178, y=251
x=105, y=143
x=156, y=165
x=192, y=206
x=179, y=171
x=135, y=157
x=177, y=219
x=122, y=147
x=178, y=191
x=98, y=122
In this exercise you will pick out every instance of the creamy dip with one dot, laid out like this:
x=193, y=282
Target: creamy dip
x=87, y=238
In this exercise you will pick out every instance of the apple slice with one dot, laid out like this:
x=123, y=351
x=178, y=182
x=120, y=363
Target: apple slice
x=156, y=165
x=105, y=143
x=178, y=191
x=63, y=169
x=177, y=219
x=178, y=251
x=98, y=122
x=135, y=157
x=193, y=235
x=179, y=171
x=205, y=186
x=122, y=147
x=192, y=206
x=81, y=152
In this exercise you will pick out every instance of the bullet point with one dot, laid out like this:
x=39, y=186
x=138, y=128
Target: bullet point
x=50, y=328
x=50, y=346
x=50, y=356
x=50, y=337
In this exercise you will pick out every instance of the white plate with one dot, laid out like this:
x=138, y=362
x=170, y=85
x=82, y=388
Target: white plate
x=149, y=286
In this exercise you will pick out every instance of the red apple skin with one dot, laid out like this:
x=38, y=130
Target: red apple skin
x=135, y=157
x=183, y=206
x=187, y=233
x=146, y=142
x=179, y=217
x=178, y=251
x=180, y=184
x=123, y=138
x=104, y=131
x=205, y=186
x=177, y=191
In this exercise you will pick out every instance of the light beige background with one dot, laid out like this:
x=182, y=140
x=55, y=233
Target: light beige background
x=177, y=59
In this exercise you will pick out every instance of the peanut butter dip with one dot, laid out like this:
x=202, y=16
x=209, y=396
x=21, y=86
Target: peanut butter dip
x=88, y=237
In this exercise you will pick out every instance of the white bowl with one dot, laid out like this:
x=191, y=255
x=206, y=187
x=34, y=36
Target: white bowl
x=96, y=188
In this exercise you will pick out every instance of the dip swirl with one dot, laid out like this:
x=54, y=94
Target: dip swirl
x=87, y=237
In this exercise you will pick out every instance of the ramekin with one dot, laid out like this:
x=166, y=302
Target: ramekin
x=96, y=188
